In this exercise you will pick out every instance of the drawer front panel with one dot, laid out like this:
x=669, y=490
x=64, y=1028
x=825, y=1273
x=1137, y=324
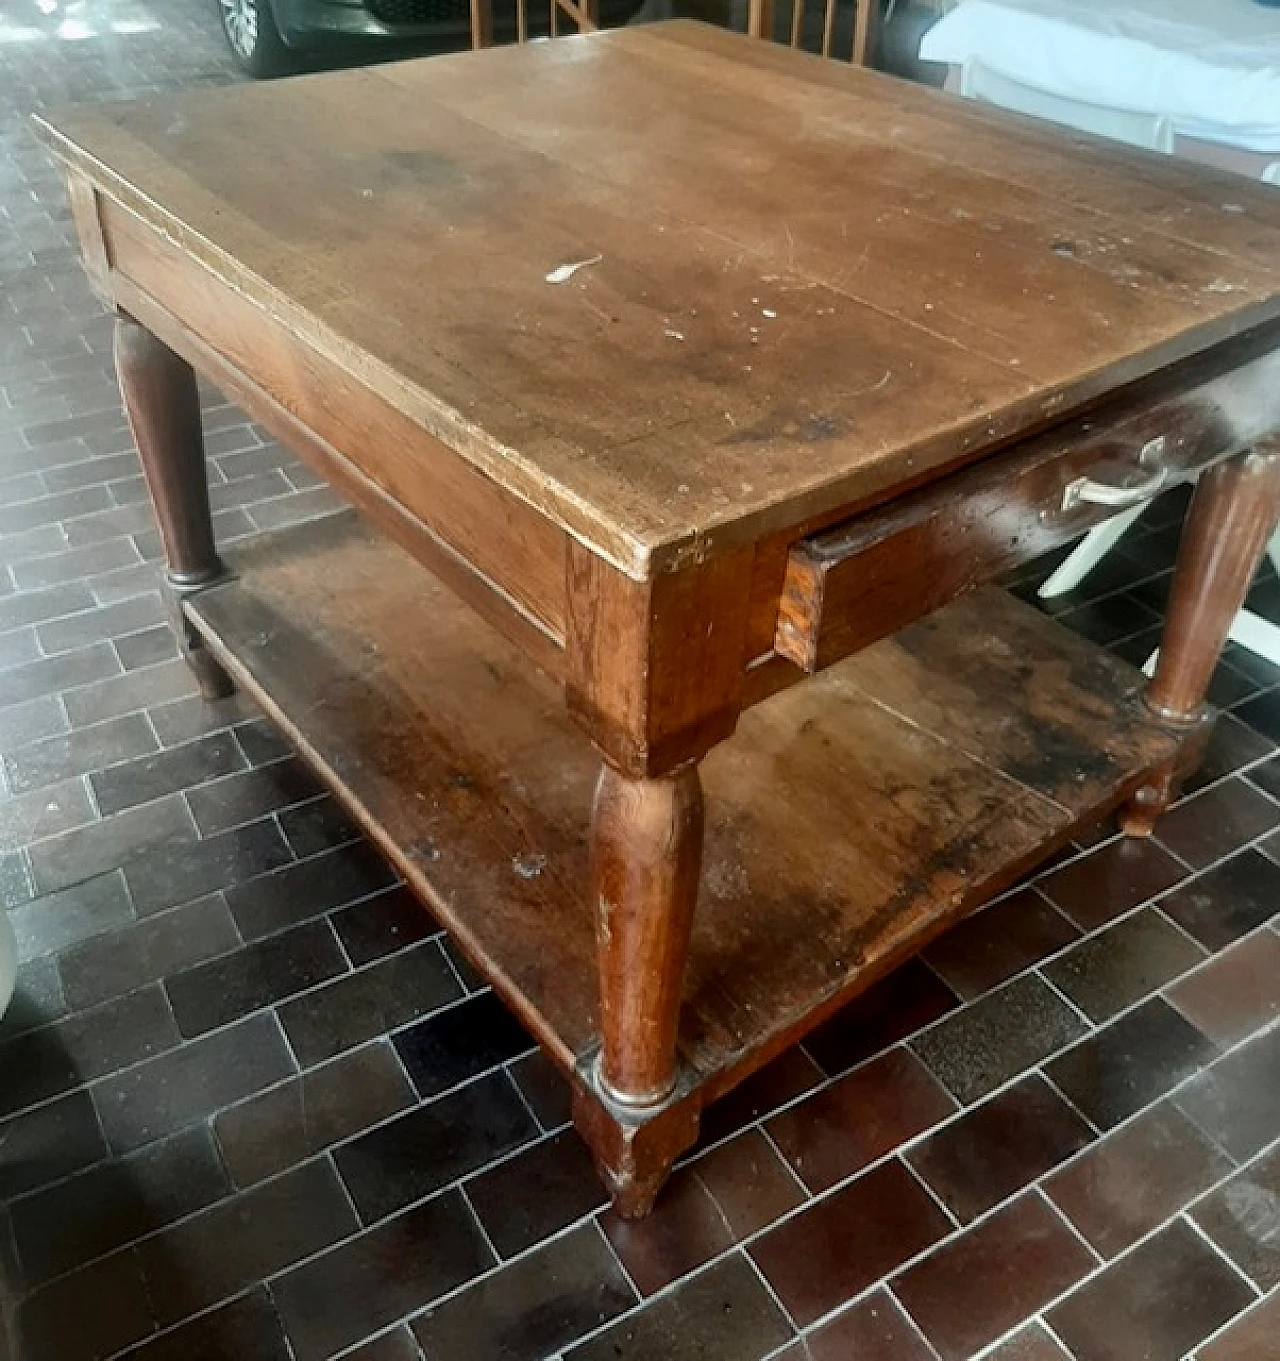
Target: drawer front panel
x=870, y=575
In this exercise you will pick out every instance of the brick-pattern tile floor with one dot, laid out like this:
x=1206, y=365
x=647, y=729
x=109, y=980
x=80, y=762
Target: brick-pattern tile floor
x=252, y=1106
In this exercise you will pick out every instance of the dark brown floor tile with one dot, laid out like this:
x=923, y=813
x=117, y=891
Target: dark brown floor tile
x=1252, y=1337
x=305, y=890
x=997, y=943
x=685, y=1230
x=1108, y=882
x=892, y=1009
x=1229, y=686
x=997, y=1037
x=217, y=1253
x=1236, y=993
x=531, y=1308
x=188, y=1084
x=1229, y=901
x=383, y=924
x=291, y=1122
x=1136, y=1178
x=167, y=875
x=1266, y=775
x=88, y=1315
x=1123, y=963
x=222, y=990
x=722, y=1313
x=838, y=1246
x=1109, y=620
x=875, y=1329
x=995, y=1275
x=1032, y=1343
x=146, y=648
x=999, y=1147
x=33, y=607
x=544, y=1088
x=839, y=1130
x=1158, y=1302
x=472, y=979
x=537, y=1192
x=38, y=998
x=54, y=1059
x=77, y=753
x=368, y=1283
x=262, y=742
x=130, y=690
x=95, y=626
x=1232, y=745
x=61, y=920
x=1270, y=846
x=148, y=777
x=1130, y=1063
x=749, y=1183
x=1263, y=713
x=251, y=794
x=99, y=849
x=114, y=1203
x=459, y=1042
x=397, y=1345
x=1243, y=1219
x=311, y=828
x=51, y=674
x=74, y=564
x=44, y=813
x=142, y=952
x=180, y=720
x=1237, y=1102
x=427, y=1148
x=362, y=1005
x=37, y=719
x=48, y=1143
x=781, y=1080
x=247, y=1329
x=1217, y=822
x=16, y=887
x=19, y=647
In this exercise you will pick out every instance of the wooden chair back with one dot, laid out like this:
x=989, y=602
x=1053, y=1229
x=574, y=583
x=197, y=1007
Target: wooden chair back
x=819, y=25
x=583, y=13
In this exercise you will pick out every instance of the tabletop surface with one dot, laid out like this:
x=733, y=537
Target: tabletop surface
x=810, y=285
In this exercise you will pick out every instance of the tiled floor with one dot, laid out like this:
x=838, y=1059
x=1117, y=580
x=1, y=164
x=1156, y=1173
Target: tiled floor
x=251, y=1108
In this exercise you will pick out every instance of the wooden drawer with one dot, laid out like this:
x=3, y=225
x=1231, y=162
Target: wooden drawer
x=862, y=579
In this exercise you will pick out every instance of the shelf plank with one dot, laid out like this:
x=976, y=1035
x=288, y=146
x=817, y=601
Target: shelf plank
x=849, y=819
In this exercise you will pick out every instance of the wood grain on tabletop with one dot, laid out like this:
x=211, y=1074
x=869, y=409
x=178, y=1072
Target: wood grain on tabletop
x=943, y=277
x=462, y=763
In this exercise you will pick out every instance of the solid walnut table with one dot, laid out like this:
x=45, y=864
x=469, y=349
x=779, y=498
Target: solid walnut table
x=842, y=349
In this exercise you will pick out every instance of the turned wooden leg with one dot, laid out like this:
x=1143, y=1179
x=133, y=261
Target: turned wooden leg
x=1233, y=514
x=646, y=852
x=163, y=406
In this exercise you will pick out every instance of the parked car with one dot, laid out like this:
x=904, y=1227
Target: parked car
x=272, y=37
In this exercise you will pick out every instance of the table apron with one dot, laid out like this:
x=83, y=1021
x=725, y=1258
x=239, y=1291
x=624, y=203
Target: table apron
x=812, y=600
x=497, y=552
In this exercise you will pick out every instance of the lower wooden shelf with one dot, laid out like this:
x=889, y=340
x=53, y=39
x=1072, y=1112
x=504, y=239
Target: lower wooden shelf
x=850, y=819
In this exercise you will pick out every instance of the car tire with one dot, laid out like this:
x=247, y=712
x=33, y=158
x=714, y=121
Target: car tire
x=254, y=37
